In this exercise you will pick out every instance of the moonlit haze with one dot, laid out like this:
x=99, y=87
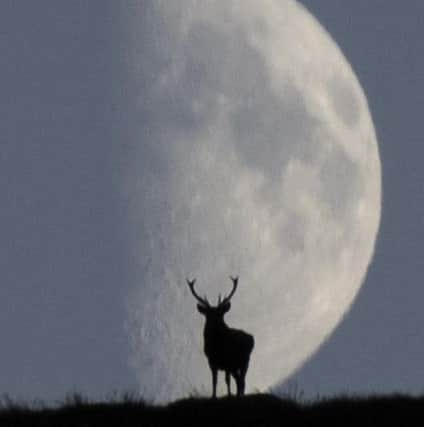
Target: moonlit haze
x=256, y=155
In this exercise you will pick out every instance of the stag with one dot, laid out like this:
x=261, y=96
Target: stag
x=226, y=349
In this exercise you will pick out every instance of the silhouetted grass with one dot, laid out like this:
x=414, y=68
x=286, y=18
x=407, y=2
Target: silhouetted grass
x=251, y=410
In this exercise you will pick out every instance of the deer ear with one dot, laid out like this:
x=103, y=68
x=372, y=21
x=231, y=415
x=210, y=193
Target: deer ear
x=225, y=307
x=201, y=309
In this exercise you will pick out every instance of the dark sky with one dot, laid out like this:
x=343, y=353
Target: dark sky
x=62, y=247
x=62, y=221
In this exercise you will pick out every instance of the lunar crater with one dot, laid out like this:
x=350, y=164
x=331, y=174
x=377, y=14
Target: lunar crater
x=345, y=103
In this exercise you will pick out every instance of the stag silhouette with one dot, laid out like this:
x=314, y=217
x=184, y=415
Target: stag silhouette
x=226, y=349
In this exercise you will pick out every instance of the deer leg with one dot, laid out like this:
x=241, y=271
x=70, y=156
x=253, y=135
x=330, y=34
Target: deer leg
x=239, y=376
x=243, y=372
x=236, y=376
x=228, y=381
x=240, y=391
x=214, y=380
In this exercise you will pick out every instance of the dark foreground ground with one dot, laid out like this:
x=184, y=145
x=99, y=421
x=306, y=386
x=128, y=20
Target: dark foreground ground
x=252, y=410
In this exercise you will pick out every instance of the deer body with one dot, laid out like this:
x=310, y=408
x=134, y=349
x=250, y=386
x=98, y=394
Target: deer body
x=226, y=349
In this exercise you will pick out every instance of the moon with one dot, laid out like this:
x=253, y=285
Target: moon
x=253, y=153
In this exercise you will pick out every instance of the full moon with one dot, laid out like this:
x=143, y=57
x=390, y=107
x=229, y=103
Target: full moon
x=253, y=154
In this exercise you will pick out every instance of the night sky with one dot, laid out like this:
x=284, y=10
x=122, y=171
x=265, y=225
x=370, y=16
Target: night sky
x=63, y=247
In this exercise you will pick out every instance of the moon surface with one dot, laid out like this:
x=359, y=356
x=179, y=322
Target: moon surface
x=254, y=154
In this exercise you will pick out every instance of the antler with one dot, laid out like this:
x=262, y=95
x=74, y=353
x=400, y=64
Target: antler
x=204, y=301
x=230, y=295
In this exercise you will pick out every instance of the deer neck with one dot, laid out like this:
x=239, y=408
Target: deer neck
x=214, y=328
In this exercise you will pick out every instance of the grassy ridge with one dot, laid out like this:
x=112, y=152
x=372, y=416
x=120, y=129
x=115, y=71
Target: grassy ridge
x=252, y=410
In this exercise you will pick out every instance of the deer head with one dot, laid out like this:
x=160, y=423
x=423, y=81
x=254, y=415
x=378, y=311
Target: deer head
x=205, y=308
